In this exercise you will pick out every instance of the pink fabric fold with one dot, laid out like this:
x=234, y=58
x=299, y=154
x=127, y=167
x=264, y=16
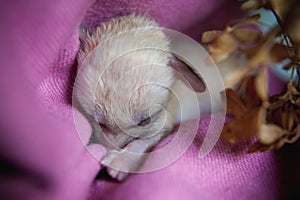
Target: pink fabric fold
x=39, y=140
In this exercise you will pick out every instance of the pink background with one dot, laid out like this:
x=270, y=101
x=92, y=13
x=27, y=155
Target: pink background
x=39, y=42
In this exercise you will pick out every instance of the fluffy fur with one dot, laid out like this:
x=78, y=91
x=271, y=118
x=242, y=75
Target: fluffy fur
x=123, y=86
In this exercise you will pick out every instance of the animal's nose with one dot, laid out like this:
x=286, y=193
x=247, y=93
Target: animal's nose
x=116, y=136
x=105, y=128
x=119, y=140
x=109, y=133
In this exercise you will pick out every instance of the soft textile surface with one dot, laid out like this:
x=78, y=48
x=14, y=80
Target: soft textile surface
x=41, y=154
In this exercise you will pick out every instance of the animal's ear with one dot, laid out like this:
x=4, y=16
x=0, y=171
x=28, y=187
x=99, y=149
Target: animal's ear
x=188, y=74
x=85, y=46
x=83, y=31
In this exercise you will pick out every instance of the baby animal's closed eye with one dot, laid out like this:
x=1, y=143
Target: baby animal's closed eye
x=126, y=72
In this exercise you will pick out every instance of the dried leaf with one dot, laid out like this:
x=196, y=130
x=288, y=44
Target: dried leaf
x=281, y=7
x=261, y=84
x=293, y=26
x=257, y=146
x=241, y=129
x=280, y=52
x=294, y=136
x=289, y=116
x=248, y=20
x=247, y=36
x=234, y=77
x=253, y=4
x=283, y=120
x=247, y=112
x=275, y=131
x=251, y=98
x=210, y=36
x=222, y=47
x=276, y=120
x=294, y=33
x=283, y=109
x=260, y=55
x=235, y=106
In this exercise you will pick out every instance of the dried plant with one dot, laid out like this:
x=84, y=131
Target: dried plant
x=273, y=120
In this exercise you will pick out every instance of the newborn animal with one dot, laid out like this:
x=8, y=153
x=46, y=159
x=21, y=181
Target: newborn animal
x=124, y=87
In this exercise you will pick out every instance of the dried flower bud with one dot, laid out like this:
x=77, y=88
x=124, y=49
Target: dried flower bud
x=276, y=120
x=283, y=121
x=270, y=133
x=222, y=47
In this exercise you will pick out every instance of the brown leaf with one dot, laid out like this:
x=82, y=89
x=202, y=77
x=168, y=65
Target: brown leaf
x=294, y=136
x=293, y=28
x=281, y=7
x=210, y=36
x=247, y=111
x=253, y=4
x=222, y=47
x=247, y=36
x=248, y=20
x=260, y=55
x=283, y=121
x=289, y=116
x=231, y=79
x=241, y=129
x=283, y=137
x=250, y=97
x=279, y=52
x=284, y=110
x=258, y=147
x=234, y=106
x=276, y=120
x=261, y=84
x=274, y=113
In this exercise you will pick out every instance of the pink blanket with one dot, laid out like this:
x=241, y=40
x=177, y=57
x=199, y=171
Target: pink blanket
x=41, y=154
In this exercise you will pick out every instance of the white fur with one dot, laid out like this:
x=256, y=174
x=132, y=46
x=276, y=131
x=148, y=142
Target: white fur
x=124, y=77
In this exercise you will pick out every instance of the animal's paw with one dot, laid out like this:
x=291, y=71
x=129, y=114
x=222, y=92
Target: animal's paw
x=120, y=163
